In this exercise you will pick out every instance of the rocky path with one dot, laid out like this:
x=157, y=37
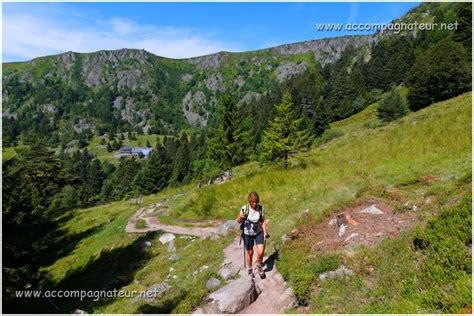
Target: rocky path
x=153, y=225
x=241, y=294
x=244, y=295
x=275, y=295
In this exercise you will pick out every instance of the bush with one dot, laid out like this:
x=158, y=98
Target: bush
x=392, y=106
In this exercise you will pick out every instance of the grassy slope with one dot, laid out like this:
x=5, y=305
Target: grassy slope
x=106, y=253
x=386, y=162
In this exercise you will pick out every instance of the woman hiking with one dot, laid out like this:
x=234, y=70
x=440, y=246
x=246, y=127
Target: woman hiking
x=254, y=231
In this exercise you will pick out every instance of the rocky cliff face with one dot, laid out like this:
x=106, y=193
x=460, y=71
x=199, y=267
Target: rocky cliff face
x=326, y=50
x=196, y=82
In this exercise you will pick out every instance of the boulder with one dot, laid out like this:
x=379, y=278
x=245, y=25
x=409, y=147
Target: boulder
x=212, y=283
x=229, y=271
x=229, y=225
x=166, y=237
x=235, y=296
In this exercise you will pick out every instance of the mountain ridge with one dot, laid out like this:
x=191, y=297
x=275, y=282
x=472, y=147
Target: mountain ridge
x=371, y=37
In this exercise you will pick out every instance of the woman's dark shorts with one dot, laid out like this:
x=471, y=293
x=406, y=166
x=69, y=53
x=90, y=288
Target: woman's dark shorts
x=249, y=241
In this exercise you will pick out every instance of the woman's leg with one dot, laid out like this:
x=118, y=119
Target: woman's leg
x=260, y=253
x=249, y=257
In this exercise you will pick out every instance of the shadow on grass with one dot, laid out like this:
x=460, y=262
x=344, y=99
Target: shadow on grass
x=270, y=262
x=60, y=244
x=63, y=244
x=110, y=270
x=164, y=306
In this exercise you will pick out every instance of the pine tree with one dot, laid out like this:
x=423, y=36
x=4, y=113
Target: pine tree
x=285, y=133
x=156, y=173
x=181, y=166
x=231, y=143
x=392, y=106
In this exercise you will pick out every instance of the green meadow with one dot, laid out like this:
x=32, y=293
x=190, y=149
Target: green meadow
x=358, y=159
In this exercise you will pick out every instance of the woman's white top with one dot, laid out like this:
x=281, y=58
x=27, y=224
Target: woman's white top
x=254, y=217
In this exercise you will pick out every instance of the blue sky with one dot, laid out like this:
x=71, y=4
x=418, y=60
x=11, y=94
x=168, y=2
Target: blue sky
x=176, y=30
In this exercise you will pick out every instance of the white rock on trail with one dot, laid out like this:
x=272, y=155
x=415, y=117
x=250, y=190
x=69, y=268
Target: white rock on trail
x=353, y=235
x=171, y=246
x=166, y=237
x=342, y=230
x=372, y=210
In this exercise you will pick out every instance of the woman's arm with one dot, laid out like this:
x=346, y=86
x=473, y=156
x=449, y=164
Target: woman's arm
x=240, y=217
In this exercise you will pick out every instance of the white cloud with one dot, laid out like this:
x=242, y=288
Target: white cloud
x=353, y=13
x=26, y=36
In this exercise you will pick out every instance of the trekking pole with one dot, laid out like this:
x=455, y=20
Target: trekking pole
x=245, y=261
x=240, y=242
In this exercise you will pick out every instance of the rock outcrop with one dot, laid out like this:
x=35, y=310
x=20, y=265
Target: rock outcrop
x=235, y=296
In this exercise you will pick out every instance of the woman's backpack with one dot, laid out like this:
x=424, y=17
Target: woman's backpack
x=248, y=224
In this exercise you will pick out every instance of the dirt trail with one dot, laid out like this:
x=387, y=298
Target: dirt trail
x=275, y=295
x=153, y=225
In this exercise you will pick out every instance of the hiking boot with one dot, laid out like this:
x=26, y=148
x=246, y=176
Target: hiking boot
x=251, y=273
x=260, y=271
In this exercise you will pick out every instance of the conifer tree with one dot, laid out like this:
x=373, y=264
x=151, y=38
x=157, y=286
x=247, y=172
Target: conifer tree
x=181, y=166
x=285, y=134
x=392, y=106
x=156, y=173
x=231, y=142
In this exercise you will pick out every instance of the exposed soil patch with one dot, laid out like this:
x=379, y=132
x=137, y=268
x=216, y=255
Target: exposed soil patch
x=360, y=225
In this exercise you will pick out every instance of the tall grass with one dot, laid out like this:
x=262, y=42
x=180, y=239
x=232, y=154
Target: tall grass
x=436, y=140
x=388, y=162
